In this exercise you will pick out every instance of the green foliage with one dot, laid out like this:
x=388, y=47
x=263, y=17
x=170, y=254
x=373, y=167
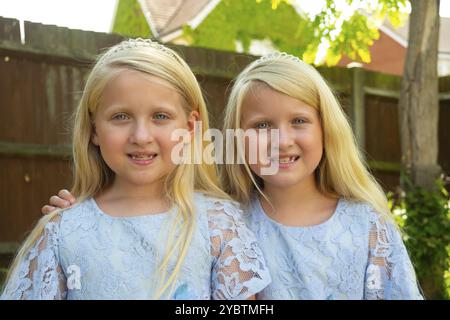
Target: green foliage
x=333, y=30
x=246, y=20
x=447, y=275
x=3, y=273
x=130, y=21
x=348, y=31
x=425, y=219
x=392, y=9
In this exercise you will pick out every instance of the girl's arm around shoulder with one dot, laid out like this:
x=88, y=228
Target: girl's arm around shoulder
x=390, y=273
x=36, y=273
x=239, y=270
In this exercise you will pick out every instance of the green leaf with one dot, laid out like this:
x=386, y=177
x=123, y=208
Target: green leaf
x=332, y=58
x=364, y=53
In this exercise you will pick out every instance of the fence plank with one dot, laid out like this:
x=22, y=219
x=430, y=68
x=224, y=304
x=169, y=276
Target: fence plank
x=28, y=150
x=26, y=186
x=10, y=30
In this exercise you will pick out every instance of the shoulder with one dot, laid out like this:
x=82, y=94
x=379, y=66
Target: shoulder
x=374, y=222
x=82, y=208
x=225, y=218
x=214, y=206
x=49, y=231
x=79, y=214
x=360, y=210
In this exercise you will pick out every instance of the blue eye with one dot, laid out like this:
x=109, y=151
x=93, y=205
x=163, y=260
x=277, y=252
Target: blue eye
x=160, y=116
x=299, y=121
x=120, y=116
x=262, y=125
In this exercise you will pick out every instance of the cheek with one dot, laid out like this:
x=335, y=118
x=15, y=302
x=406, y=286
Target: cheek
x=164, y=138
x=257, y=152
x=311, y=144
x=110, y=138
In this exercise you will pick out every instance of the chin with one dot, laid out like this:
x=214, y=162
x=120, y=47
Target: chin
x=143, y=180
x=282, y=182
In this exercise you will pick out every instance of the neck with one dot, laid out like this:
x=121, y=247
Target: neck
x=301, y=193
x=123, y=190
x=125, y=199
x=301, y=204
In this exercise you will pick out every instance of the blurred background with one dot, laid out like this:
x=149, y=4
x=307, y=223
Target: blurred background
x=393, y=84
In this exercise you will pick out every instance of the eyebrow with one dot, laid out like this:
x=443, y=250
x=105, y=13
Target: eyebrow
x=263, y=117
x=125, y=107
x=304, y=114
x=254, y=119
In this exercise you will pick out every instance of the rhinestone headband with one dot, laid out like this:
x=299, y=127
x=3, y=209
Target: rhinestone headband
x=136, y=43
x=278, y=56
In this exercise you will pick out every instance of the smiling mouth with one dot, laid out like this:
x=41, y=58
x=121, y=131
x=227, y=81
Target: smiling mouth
x=286, y=160
x=142, y=157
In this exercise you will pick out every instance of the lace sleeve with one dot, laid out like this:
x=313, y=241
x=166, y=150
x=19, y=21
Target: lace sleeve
x=389, y=274
x=39, y=276
x=239, y=270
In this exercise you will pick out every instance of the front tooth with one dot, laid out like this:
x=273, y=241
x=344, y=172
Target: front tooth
x=287, y=160
x=143, y=157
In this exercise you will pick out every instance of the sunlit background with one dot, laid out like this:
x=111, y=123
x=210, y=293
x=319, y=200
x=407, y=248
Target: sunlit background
x=98, y=15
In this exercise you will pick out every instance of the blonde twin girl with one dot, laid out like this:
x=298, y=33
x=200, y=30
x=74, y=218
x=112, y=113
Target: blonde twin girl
x=143, y=227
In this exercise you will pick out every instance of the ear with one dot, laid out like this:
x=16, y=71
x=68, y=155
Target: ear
x=94, y=136
x=192, y=118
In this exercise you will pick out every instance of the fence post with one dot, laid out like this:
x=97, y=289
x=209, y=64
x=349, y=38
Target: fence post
x=358, y=110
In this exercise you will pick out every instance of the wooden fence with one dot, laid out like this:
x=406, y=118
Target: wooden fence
x=42, y=74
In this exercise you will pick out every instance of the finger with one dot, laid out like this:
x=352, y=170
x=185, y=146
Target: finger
x=66, y=195
x=58, y=202
x=47, y=209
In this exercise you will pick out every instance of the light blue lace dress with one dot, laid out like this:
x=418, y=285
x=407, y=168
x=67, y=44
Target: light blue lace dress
x=355, y=254
x=87, y=254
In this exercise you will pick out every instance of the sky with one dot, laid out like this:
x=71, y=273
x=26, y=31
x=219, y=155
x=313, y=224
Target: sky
x=92, y=15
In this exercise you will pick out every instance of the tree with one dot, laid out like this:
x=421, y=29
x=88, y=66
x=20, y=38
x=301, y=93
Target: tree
x=348, y=30
x=419, y=118
x=419, y=104
x=242, y=21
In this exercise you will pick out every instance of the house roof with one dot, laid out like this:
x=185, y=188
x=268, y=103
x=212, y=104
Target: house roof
x=401, y=34
x=166, y=16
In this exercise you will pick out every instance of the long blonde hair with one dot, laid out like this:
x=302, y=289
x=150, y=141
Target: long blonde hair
x=92, y=175
x=341, y=172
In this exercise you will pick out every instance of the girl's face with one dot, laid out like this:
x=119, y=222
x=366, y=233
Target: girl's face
x=133, y=125
x=300, y=135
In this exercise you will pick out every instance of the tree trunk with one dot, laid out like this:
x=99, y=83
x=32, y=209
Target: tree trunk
x=419, y=102
x=419, y=117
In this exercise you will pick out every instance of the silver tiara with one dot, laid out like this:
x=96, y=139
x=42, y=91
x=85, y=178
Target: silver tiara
x=136, y=43
x=278, y=56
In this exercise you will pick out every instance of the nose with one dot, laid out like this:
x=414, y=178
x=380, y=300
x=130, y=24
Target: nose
x=286, y=138
x=142, y=134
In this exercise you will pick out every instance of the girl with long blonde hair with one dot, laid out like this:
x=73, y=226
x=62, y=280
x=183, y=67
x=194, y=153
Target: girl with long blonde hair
x=322, y=220
x=144, y=225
